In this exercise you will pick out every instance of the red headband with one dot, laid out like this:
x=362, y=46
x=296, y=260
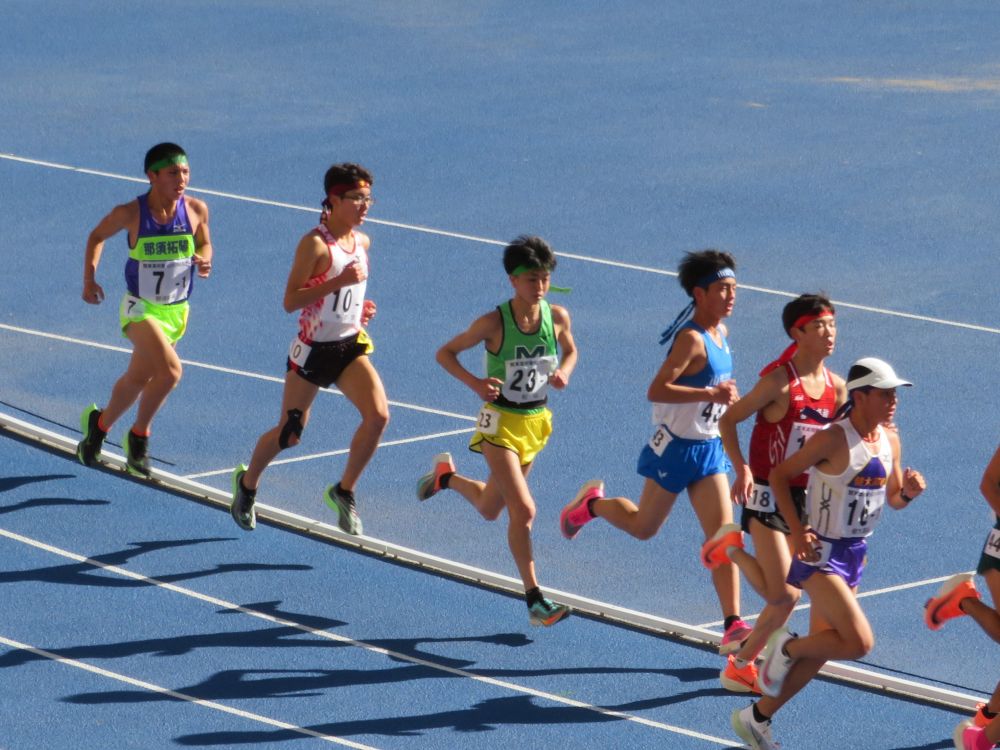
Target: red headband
x=804, y=320
x=786, y=356
x=345, y=187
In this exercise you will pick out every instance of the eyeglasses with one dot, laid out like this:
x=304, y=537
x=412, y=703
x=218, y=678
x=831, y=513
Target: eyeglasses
x=357, y=200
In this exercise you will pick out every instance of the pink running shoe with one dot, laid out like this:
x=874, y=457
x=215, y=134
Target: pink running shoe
x=735, y=635
x=968, y=736
x=577, y=514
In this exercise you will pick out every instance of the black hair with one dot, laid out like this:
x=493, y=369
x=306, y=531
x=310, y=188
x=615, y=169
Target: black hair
x=805, y=304
x=698, y=264
x=345, y=174
x=530, y=252
x=161, y=151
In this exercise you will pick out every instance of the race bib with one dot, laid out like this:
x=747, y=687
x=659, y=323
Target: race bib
x=346, y=304
x=488, y=421
x=992, y=547
x=761, y=499
x=527, y=380
x=298, y=352
x=800, y=432
x=166, y=281
x=825, y=550
x=132, y=308
x=660, y=440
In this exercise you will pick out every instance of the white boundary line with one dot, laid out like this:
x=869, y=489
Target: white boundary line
x=215, y=706
x=600, y=610
x=320, y=633
x=860, y=595
x=339, y=452
x=218, y=368
x=484, y=240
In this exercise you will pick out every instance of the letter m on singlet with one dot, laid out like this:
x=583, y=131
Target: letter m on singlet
x=522, y=352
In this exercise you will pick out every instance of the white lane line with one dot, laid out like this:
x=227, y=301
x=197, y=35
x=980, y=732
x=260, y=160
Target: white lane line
x=861, y=595
x=340, y=452
x=484, y=240
x=215, y=706
x=218, y=368
x=319, y=633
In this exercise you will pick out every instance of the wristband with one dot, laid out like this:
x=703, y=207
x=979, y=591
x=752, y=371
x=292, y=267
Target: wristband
x=905, y=498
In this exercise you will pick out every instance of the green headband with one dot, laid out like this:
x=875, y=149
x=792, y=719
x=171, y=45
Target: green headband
x=166, y=162
x=525, y=269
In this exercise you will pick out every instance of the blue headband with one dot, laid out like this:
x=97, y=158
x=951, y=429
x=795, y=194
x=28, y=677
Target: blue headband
x=704, y=282
x=723, y=273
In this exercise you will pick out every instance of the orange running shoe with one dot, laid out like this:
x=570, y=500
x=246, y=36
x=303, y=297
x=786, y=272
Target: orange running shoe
x=739, y=680
x=713, y=551
x=945, y=606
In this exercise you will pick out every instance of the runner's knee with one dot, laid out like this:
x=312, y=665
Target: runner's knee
x=291, y=430
x=859, y=644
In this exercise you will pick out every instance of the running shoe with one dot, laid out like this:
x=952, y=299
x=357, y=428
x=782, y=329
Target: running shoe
x=577, y=513
x=739, y=680
x=137, y=455
x=981, y=719
x=735, y=634
x=776, y=664
x=242, y=509
x=967, y=736
x=713, y=551
x=757, y=734
x=546, y=612
x=88, y=449
x=944, y=606
x=430, y=484
x=342, y=502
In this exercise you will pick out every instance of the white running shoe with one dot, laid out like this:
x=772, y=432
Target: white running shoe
x=757, y=734
x=776, y=664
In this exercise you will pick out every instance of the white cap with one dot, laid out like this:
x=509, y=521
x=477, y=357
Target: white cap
x=873, y=372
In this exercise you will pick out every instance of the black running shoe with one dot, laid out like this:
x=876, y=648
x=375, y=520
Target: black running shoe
x=137, y=455
x=342, y=502
x=88, y=449
x=242, y=509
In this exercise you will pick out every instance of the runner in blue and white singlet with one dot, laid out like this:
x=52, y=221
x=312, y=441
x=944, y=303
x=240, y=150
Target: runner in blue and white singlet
x=699, y=420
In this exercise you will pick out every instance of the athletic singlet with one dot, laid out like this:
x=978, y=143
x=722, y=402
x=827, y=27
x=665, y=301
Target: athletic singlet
x=337, y=315
x=773, y=442
x=849, y=505
x=698, y=420
x=159, y=265
x=524, y=361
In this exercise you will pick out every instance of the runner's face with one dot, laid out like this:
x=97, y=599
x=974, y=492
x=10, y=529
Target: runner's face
x=352, y=207
x=170, y=182
x=531, y=286
x=880, y=404
x=818, y=336
x=720, y=296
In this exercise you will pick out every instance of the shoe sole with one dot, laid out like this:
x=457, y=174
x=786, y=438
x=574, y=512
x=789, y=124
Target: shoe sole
x=742, y=732
x=538, y=622
x=958, y=735
x=735, y=686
